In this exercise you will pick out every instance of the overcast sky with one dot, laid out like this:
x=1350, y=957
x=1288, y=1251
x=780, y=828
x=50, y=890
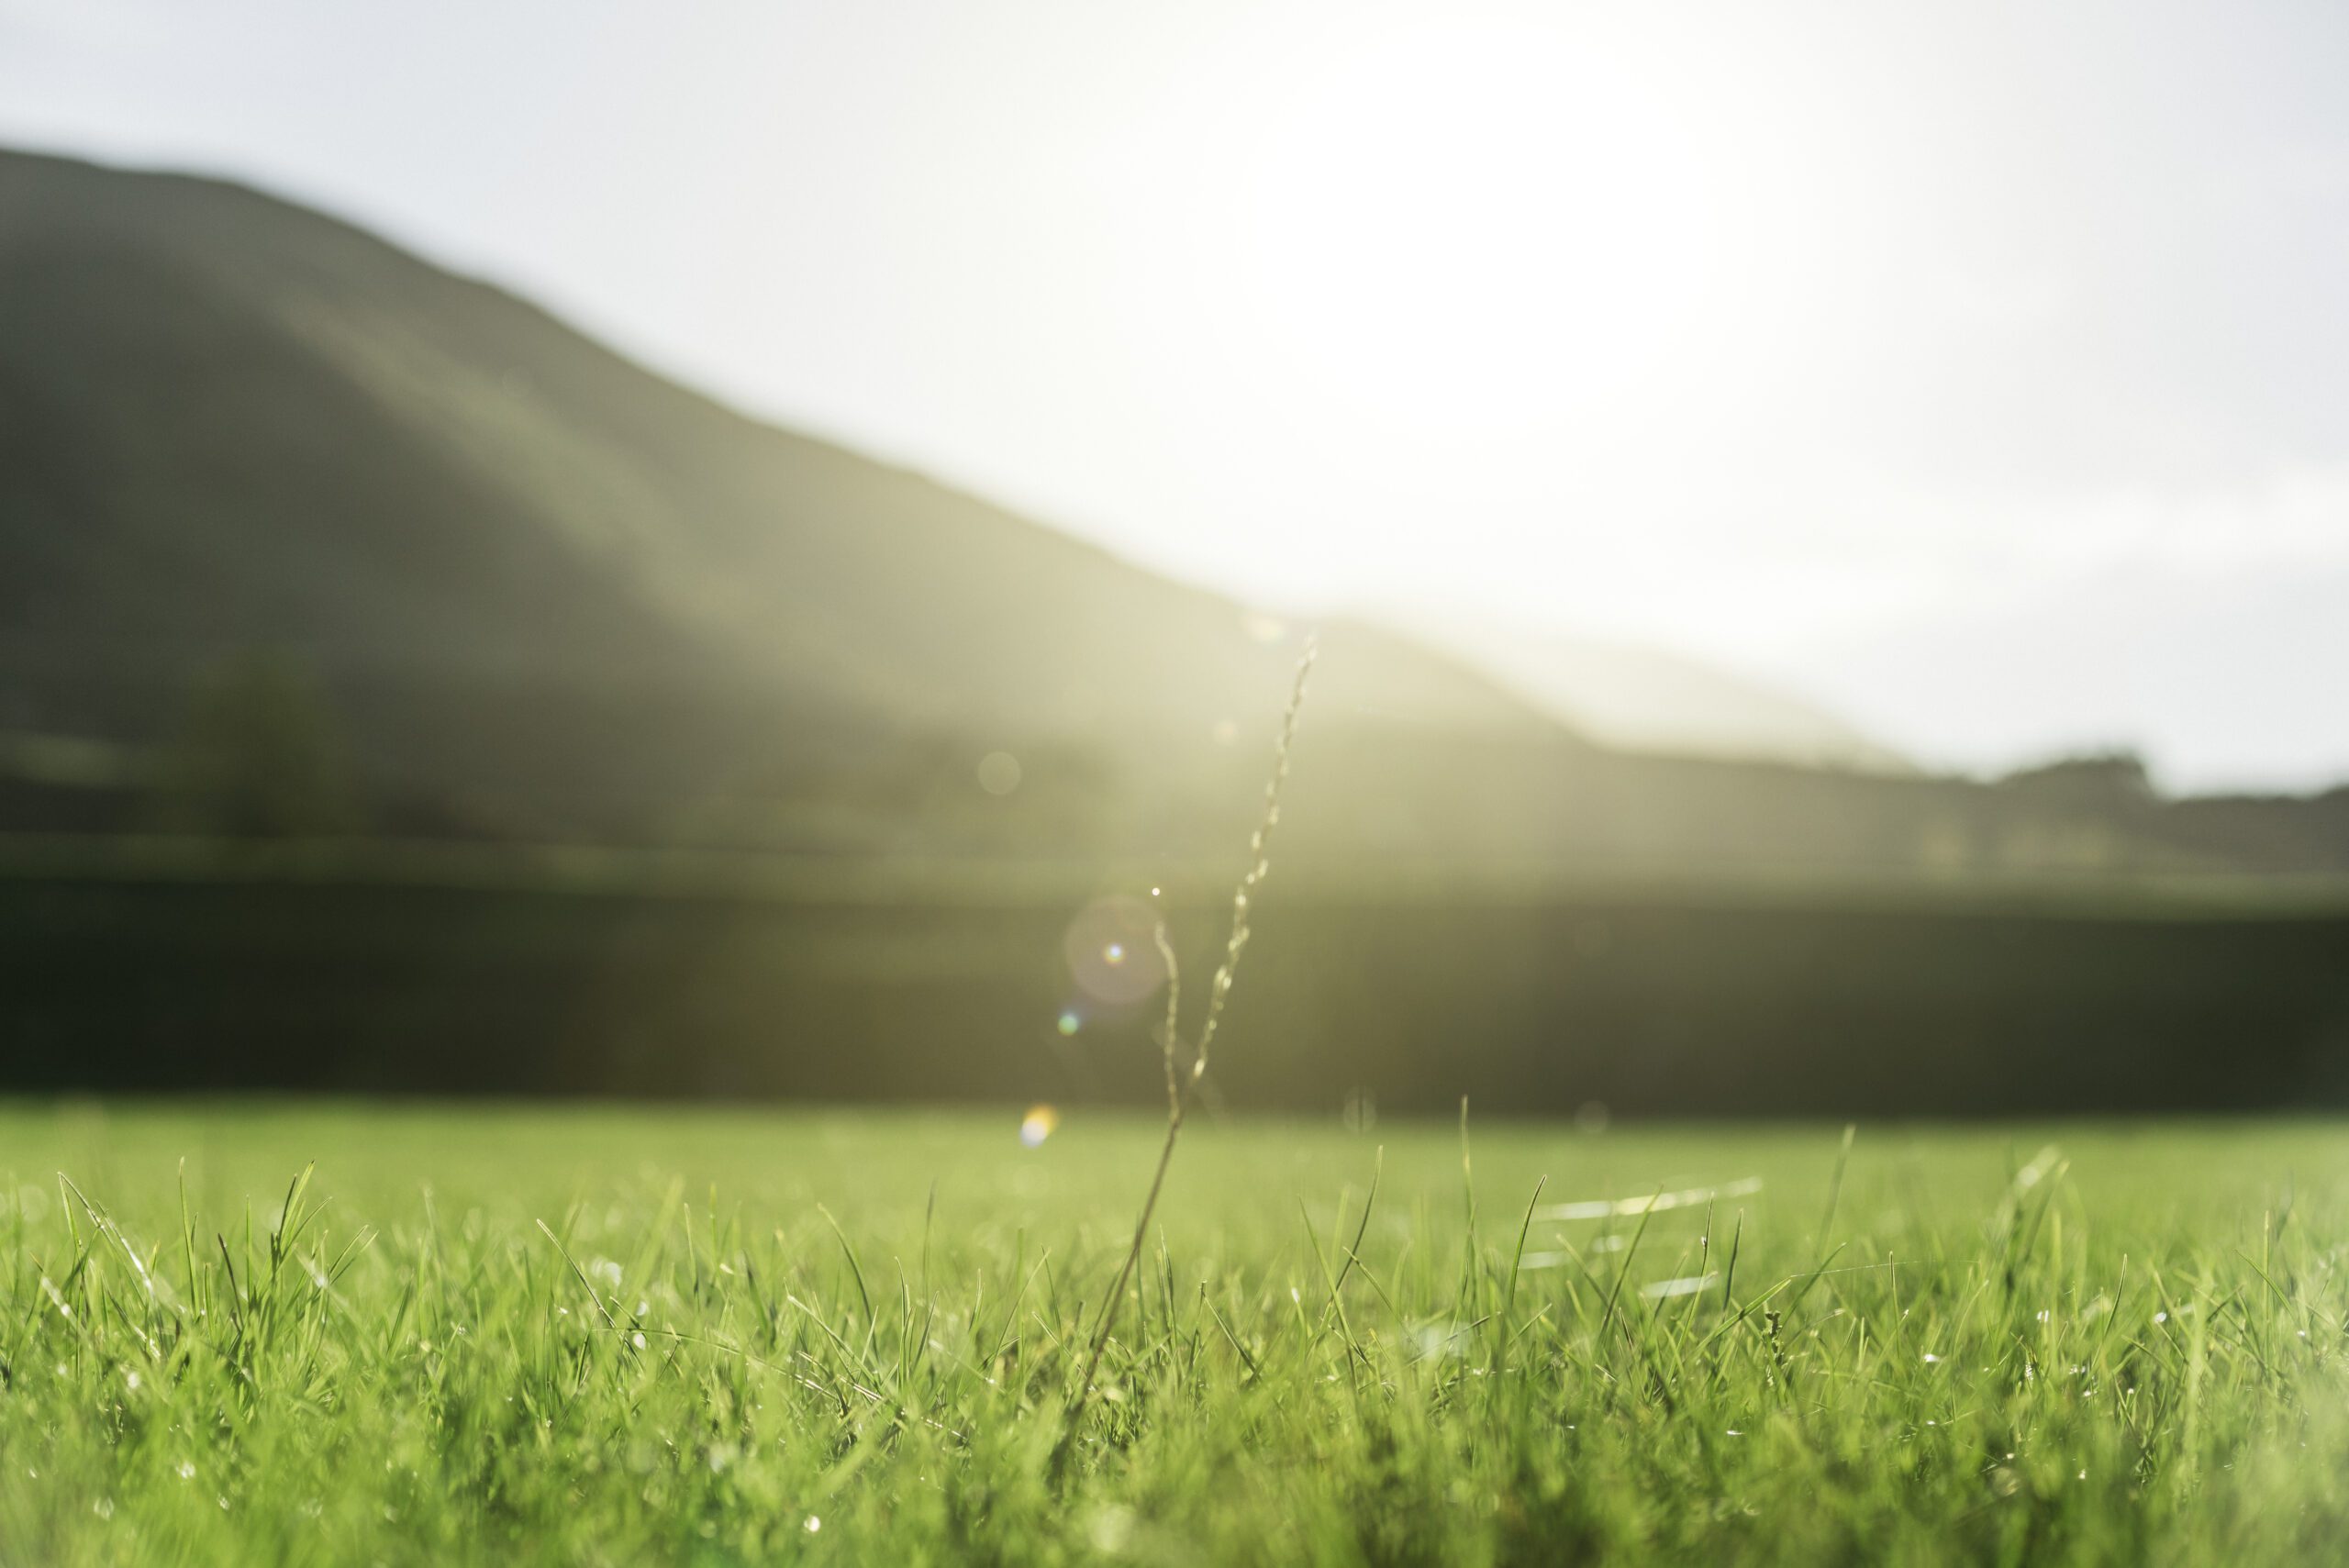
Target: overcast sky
x=1981, y=368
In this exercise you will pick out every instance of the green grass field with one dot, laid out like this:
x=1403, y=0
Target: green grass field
x=851, y=1337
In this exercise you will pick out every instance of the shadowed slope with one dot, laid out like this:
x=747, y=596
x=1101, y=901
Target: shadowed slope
x=230, y=423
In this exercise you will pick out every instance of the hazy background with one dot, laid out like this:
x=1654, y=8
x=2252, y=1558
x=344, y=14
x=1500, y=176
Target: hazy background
x=1977, y=371
x=549, y=550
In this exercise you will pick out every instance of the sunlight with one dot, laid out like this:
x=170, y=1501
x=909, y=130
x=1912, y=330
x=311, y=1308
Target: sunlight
x=1471, y=230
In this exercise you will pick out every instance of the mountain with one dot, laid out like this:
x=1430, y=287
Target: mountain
x=540, y=583
x=1646, y=699
x=299, y=533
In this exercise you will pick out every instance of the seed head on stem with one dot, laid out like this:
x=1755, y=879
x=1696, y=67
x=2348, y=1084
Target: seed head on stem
x=1179, y=1084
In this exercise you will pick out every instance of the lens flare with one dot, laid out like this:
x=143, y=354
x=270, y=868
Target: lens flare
x=999, y=773
x=1112, y=951
x=1070, y=1021
x=1038, y=1125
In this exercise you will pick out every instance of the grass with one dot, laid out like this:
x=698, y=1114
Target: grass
x=600, y=1336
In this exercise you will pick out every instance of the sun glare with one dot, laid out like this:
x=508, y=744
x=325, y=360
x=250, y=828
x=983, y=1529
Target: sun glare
x=1457, y=232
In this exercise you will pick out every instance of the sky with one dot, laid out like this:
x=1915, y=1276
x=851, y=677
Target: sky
x=1979, y=369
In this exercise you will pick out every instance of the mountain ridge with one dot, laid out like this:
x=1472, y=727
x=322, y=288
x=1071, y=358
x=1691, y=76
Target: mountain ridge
x=536, y=590
x=207, y=377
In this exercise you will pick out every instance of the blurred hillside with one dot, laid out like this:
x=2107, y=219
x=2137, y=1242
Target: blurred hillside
x=1645, y=699
x=300, y=536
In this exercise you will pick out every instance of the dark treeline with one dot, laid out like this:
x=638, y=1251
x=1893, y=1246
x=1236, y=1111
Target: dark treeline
x=1646, y=1004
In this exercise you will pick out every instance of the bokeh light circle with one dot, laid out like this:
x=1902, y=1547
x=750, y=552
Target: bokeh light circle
x=999, y=773
x=1112, y=950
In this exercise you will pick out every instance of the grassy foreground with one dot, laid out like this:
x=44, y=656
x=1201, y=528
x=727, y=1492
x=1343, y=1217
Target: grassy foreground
x=805, y=1337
